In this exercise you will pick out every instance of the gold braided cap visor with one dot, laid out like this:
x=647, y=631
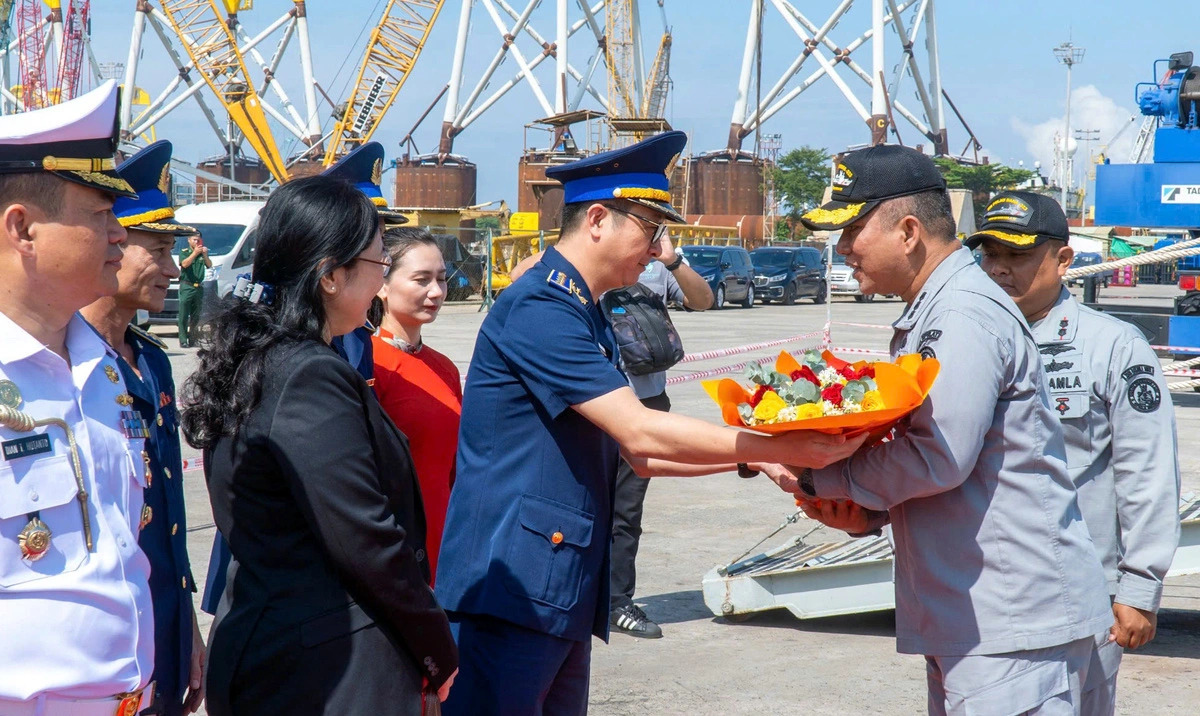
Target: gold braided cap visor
x=1020, y=241
x=836, y=214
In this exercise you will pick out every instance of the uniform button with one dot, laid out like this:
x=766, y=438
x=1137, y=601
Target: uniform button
x=556, y=538
x=160, y=420
x=174, y=528
x=184, y=582
x=420, y=555
x=33, y=496
x=167, y=471
x=122, y=543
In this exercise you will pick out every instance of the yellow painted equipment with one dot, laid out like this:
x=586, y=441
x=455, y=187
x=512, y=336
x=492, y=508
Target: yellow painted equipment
x=392, y=51
x=212, y=47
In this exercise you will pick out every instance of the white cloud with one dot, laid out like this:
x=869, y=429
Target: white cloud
x=1090, y=109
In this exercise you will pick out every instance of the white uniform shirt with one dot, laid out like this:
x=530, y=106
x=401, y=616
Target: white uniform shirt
x=73, y=624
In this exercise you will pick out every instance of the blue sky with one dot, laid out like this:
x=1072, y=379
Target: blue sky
x=997, y=65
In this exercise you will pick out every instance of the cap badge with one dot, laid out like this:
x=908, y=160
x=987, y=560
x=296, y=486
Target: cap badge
x=843, y=178
x=377, y=172
x=1008, y=209
x=834, y=216
x=164, y=179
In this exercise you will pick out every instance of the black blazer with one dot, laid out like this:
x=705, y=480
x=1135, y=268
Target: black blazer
x=327, y=608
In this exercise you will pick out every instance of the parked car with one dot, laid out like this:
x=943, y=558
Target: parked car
x=227, y=228
x=842, y=281
x=785, y=273
x=1089, y=259
x=727, y=269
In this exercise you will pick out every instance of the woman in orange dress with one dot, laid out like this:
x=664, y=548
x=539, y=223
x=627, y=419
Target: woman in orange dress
x=418, y=387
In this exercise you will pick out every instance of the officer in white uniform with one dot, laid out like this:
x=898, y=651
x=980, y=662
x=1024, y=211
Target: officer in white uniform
x=76, y=621
x=997, y=581
x=1107, y=388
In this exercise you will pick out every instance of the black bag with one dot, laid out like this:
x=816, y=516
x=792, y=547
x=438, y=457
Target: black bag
x=643, y=328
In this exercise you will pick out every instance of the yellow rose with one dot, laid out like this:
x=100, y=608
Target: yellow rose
x=872, y=400
x=809, y=410
x=769, y=406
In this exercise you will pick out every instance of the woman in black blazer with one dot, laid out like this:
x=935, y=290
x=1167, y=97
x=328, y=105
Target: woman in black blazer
x=327, y=608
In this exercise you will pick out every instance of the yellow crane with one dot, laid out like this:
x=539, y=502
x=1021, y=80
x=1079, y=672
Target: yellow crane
x=213, y=48
x=392, y=51
x=636, y=104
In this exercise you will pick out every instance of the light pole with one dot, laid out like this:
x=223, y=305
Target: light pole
x=1070, y=55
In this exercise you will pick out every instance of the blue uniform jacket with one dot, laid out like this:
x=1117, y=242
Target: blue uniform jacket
x=530, y=518
x=164, y=536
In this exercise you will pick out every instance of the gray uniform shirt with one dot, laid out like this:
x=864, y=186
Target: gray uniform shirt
x=1107, y=387
x=992, y=554
x=661, y=281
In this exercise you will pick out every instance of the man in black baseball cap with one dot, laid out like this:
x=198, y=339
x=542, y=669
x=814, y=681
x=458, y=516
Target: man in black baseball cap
x=1107, y=389
x=995, y=570
x=867, y=177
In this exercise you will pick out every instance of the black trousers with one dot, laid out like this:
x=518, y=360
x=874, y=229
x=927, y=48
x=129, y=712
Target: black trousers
x=627, y=521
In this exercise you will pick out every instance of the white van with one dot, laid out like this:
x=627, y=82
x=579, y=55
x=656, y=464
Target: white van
x=228, y=230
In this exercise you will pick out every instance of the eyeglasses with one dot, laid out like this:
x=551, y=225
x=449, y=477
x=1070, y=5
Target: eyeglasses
x=386, y=263
x=659, y=229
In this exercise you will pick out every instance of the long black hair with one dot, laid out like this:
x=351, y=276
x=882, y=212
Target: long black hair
x=308, y=228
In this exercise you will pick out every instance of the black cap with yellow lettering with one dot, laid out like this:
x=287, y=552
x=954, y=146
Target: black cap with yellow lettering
x=1022, y=220
x=866, y=177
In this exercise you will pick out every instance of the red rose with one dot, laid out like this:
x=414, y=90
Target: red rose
x=868, y=371
x=833, y=394
x=807, y=374
x=848, y=372
x=758, y=394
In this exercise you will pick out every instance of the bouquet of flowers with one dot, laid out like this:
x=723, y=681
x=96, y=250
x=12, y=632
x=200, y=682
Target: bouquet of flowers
x=823, y=392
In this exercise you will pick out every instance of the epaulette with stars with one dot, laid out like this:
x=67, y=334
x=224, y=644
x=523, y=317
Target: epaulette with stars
x=148, y=337
x=566, y=284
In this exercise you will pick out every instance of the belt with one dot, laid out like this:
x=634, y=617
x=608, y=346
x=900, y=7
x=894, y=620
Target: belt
x=128, y=704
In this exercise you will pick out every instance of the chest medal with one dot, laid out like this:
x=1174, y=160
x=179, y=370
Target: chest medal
x=34, y=540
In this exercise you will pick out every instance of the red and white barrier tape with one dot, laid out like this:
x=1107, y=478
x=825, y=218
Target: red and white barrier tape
x=1182, y=373
x=859, y=351
x=738, y=350
x=1178, y=349
x=725, y=369
x=864, y=325
x=194, y=464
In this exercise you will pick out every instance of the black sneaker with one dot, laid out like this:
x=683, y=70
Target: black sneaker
x=633, y=621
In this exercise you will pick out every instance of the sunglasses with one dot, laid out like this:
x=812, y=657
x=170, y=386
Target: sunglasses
x=658, y=230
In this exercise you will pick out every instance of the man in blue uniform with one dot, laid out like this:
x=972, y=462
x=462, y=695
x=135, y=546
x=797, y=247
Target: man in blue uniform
x=547, y=415
x=363, y=168
x=147, y=268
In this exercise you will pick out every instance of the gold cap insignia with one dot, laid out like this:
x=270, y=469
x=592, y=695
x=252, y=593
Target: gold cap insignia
x=377, y=172
x=164, y=180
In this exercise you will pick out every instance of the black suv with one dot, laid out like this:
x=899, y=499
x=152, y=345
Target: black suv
x=728, y=271
x=785, y=273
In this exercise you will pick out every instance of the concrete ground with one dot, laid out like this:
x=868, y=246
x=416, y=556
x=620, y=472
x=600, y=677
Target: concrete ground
x=774, y=662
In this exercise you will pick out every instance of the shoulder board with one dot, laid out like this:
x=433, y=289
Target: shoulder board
x=561, y=281
x=148, y=336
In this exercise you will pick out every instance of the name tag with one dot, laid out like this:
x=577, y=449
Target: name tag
x=1068, y=383
x=24, y=447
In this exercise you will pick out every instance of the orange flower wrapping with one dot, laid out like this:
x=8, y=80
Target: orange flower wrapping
x=902, y=387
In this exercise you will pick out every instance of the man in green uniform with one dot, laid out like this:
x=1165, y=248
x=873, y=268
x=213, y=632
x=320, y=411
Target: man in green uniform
x=193, y=260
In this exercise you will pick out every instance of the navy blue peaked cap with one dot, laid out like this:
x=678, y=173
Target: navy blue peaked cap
x=637, y=173
x=363, y=168
x=149, y=173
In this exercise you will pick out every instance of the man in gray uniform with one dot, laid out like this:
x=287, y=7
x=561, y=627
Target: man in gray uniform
x=997, y=581
x=1107, y=388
